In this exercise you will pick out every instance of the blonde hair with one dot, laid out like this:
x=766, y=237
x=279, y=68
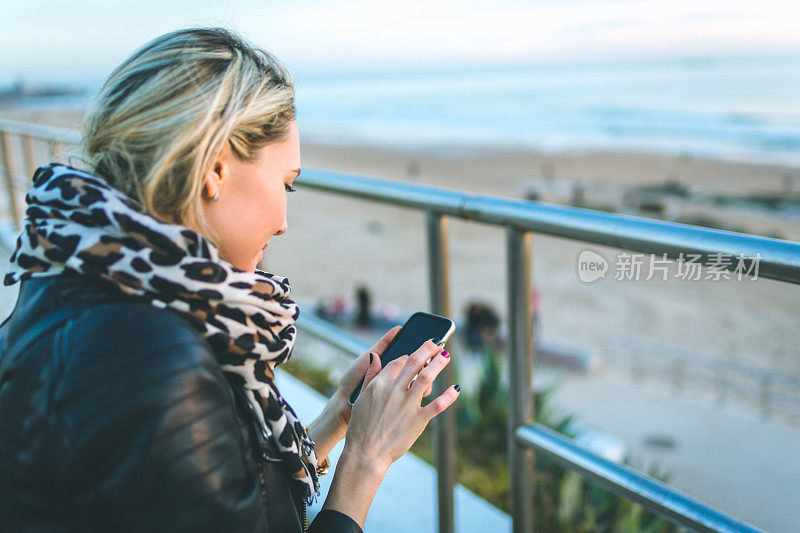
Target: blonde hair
x=164, y=114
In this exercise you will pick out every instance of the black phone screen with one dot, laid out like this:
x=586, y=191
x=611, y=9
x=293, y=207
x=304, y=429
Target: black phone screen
x=417, y=329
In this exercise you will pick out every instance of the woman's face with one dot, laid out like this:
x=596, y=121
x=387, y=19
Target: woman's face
x=252, y=198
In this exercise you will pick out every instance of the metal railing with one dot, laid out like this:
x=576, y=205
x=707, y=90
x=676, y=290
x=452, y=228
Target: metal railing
x=17, y=178
x=779, y=260
x=652, y=494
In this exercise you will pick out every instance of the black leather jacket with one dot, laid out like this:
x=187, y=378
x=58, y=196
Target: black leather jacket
x=115, y=416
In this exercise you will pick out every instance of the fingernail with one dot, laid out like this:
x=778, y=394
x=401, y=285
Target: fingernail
x=445, y=354
x=370, y=357
x=426, y=364
x=458, y=388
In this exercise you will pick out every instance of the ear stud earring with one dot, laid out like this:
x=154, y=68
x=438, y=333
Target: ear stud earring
x=215, y=197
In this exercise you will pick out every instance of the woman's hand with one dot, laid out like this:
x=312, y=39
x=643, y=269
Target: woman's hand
x=385, y=421
x=388, y=417
x=331, y=425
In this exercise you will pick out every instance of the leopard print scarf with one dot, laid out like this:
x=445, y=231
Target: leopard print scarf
x=76, y=222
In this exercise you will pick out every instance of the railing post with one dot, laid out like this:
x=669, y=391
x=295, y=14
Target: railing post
x=10, y=166
x=28, y=155
x=520, y=409
x=444, y=425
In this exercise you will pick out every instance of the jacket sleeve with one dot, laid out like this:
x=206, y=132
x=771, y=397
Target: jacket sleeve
x=330, y=521
x=150, y=419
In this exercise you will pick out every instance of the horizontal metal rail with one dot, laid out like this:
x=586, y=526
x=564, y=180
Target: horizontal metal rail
x=40, y=131
x=779, y=260
x=330, y=334
x=651, y=494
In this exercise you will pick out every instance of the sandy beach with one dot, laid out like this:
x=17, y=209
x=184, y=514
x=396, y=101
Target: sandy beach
x=754, y=322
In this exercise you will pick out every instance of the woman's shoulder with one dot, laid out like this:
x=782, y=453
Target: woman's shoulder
x=130, y=340
x=90, y=316
x=133, y=326
x=95, y=338
x=135, y=335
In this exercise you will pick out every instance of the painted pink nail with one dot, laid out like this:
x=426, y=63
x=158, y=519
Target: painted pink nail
x=445, y=354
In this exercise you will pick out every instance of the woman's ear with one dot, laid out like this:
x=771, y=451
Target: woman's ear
x=218, y=172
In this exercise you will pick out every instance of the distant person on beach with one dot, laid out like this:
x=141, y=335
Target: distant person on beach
x=363, y=304
x=137, y=370
x=482, y=330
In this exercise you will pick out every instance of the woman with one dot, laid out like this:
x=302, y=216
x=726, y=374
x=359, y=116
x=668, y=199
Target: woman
x=136, y=375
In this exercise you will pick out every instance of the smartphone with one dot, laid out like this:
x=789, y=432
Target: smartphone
x=418, y=328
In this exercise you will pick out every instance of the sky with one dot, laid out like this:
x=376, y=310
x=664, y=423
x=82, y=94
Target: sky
x=80, y=41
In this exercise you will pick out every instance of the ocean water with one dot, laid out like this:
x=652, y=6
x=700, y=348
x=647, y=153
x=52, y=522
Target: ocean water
x=731, y=108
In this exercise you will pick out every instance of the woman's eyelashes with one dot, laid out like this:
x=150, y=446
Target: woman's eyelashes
x=289, y=188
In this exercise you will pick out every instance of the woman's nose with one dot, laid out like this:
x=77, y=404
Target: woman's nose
x=283, y=228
